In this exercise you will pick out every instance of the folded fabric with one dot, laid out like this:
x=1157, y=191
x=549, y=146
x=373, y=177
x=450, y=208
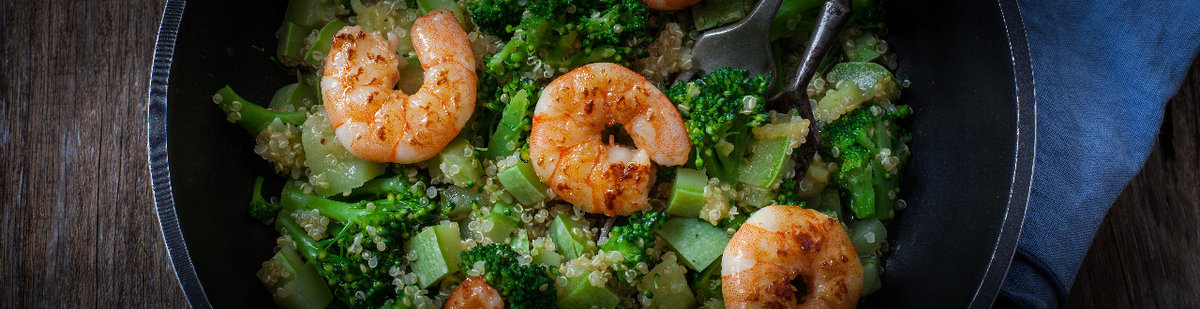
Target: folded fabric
x=1103, y=71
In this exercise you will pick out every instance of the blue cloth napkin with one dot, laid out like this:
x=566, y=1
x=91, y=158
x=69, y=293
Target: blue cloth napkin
x=1104, y=71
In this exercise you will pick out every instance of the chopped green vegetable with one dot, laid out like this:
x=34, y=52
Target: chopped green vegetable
x=334, y=169
x=438, y=248
x=668, y=286
x=579, y=293
x=320, y=48
x=293, y=283
x=687, y=193
x=570, y=238
x=523, y=183
x=697, y=242
x=457, y=163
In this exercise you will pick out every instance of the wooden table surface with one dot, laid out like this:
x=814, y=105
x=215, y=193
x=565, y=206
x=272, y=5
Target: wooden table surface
x=79, y=227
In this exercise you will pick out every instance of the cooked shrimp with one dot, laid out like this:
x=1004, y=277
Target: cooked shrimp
x=569, y=153
x=372, y=119
x=670, y=5
x=780, y=243
x=474, y=293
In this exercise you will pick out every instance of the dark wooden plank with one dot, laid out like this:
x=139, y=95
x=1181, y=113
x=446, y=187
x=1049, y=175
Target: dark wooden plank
x=131, y=250
x=58, y=155
x=1146, y=252
x=74, y=186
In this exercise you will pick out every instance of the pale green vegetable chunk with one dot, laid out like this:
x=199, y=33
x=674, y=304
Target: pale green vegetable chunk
x=334, y=169
x=668, y=286
x=438, y=248
x=697, y=242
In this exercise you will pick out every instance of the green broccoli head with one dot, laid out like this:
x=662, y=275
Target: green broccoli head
x=632, y=240
x=719, y=110
x=556, y=36
x=261, y=209
x=521, y=286
x=357, y=258
x=496, y=16
x=864, y=144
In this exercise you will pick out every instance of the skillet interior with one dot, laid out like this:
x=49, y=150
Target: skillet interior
x=966, y=184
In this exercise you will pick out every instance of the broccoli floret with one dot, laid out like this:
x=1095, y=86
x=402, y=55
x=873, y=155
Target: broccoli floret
x=632, y=240
x=563, y=34
x=521, y=286
x=260, y=208
x=719, y=110
x=495, y=16
x=357, y=258
x=786, y=194
x=863, y=143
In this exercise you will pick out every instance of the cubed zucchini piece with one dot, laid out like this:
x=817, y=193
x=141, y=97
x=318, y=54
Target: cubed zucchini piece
x=296, y=95
x=768, y=157
x=570, y=238
x=320, y=48
x=523, y=183
x=457, y=163
x=867, y=235
x=668, y=287
x=457, y=203
x=293, y=283
x=579, y=293
x=503, y=221
x=687, y=194
x=290, y=50
x=865, y=47
x=438, y=248
x=546, y=257
x=757, y=196
x=854, y=83
x=334, y=169
x=697, y=242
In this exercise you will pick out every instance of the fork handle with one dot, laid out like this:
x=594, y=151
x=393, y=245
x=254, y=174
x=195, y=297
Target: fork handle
x=834, y=14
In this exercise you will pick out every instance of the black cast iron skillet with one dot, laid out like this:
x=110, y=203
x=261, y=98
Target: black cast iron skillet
x=966, y=184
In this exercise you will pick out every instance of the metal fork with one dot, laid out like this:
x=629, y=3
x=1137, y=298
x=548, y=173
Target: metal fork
x=746, y=44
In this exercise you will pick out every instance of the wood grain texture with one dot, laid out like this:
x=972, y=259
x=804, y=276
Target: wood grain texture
x=79, y=228
x=1147, y=251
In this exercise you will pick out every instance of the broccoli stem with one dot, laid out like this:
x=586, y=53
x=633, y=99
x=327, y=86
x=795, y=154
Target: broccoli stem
x=305, y=244
x=294, y=199
x=252, y=117
x=381, y=187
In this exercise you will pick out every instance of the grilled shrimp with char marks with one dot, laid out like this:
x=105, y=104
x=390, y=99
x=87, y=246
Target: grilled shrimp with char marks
x=377, y=122
x=781, y=243
x=567, y=148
